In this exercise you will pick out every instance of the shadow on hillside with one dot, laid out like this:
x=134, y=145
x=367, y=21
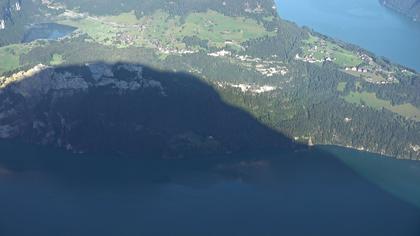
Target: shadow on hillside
x=129, y=109
x=151, y=113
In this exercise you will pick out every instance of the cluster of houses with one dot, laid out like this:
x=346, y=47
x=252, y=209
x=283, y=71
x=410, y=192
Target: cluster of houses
x=271, y=71
x=126, y=38
x=129, y=39
x=415, y=148
x=257, y=9
x=164, y=50
x=366, y=58
x=222, y=53
x=311, y=59
x=357, y=69
x=266, y=68
x=253, y=88
x=389, y=80
x=52, y=5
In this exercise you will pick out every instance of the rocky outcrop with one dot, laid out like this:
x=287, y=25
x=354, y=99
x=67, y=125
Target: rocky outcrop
x=8, y=10
x=125, y=109
x=14, y=16
x=2, y=24
x=41, y=79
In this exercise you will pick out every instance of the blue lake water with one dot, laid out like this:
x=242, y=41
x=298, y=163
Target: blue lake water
x=47, y=31
x=326, y=191
x=362, y=22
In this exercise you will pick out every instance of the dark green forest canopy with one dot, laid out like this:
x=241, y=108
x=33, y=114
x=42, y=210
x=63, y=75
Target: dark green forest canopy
x=176, y=7
x=297, y=82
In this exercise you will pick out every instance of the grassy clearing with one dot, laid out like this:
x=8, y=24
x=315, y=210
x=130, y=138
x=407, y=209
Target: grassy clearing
x=98, y=31
x=407, y=110
x=369, y=76
x=319, y=49
x=127, y=18
x=369, y=99
x=366, y=98
x=10, y=56
x=341, y=86
x=218, y=28
x=345, y=58
x=268, y=18
x=57, y=59
x=359, y=64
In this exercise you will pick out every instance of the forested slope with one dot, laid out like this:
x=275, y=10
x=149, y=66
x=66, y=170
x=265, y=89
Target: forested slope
x=303, y=86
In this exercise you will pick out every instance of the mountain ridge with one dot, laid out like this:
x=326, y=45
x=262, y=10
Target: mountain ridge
x=304, y=86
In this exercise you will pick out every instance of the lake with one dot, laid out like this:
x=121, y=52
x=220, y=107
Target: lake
x=48, y=31
x=362, y=22
x=321, y=191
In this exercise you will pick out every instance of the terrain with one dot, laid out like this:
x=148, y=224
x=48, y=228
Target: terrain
x=174, y=78
x=410, y=8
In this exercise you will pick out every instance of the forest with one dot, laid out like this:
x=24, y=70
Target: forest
x=251, y=61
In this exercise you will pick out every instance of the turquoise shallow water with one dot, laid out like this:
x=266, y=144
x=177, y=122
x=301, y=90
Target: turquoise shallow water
x=326, y=191
x=362, y=22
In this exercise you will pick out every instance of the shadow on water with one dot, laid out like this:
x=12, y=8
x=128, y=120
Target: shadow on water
x=167, y=156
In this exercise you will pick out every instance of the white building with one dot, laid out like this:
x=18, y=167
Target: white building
x=2, y=25
x=17, y=5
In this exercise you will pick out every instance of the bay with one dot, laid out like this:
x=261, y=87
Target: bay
x=365, y=23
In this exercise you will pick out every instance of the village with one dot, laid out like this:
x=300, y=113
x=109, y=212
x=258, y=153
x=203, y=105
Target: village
x=252, y=88
x=319, y=51
x=267, y=68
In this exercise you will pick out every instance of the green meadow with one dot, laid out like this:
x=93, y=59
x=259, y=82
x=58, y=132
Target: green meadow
x=370, y=99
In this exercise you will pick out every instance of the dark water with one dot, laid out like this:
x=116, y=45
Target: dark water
x=328, y=191
x=48, y=31
x=362, y=22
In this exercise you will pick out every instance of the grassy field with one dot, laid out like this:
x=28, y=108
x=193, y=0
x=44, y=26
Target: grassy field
x=369, y=99
x=369, y=76
x=97, y=30
x=10, y=56
x=358, y=64
x=160, y=30
x=127, y=18
x=345, y=58
x=321, y=49
x=218, y=28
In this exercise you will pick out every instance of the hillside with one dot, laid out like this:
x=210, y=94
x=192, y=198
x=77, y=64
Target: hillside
x=14, y=16
x=410, y=8
x=173, y=78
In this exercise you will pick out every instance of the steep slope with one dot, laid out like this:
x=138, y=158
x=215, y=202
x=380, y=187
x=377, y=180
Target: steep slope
x=410, y=8
x=258, y=82
x=14, y=16
x=127, y=109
